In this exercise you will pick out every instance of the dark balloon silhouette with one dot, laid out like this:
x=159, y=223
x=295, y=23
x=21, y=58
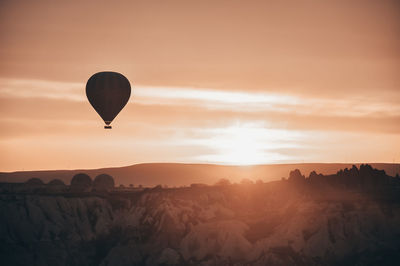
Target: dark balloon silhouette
x=108, y=93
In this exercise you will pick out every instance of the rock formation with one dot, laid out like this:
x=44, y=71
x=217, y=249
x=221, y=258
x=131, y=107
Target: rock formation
x=81, y=182
x=276, y=223
x=103, y=182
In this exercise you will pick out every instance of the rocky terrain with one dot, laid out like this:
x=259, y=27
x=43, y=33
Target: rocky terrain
x=276, y=223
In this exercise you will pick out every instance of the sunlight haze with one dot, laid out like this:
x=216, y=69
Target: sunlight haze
x=212, y=82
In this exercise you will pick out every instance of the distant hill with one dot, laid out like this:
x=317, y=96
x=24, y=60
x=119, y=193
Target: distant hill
x=178, y=174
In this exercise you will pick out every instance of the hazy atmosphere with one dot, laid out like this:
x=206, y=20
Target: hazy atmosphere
x=212, y=133
x=222, y=82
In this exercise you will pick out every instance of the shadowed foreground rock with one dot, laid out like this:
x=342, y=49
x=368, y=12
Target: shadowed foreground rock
x=276, y=223
x=34, y=182
x=56, y=183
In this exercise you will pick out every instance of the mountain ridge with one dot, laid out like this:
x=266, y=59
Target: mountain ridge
x=180, y=174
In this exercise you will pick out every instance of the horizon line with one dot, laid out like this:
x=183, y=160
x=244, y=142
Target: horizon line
x=200, y=163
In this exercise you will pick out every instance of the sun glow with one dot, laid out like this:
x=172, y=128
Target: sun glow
x=246, y=144
x=239, y=146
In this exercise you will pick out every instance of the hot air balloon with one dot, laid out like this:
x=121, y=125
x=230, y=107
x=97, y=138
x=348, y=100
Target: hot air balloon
x=108, y=93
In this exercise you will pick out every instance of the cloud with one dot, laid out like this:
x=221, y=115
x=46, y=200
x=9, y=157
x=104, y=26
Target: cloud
x=37, y=102
x=241, y=101
x=246, y=101
x=28, y=88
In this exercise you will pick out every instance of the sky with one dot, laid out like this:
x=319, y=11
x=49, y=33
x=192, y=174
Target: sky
x=226, y=82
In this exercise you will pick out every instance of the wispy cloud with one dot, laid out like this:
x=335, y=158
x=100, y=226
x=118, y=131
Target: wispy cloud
x=256, y=101
x=27, y=88
x=214, y=99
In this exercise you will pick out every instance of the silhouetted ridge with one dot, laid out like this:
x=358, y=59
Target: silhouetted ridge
x=296, y=176
x=175, y=174
x=365, y=178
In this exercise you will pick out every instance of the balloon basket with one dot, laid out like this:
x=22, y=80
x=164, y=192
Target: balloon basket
x=107, y=127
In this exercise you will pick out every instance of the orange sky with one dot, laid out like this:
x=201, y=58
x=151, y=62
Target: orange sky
x=233, y=82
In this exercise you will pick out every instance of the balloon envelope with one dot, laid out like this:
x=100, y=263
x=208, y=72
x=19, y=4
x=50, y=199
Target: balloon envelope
x=108, y=93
